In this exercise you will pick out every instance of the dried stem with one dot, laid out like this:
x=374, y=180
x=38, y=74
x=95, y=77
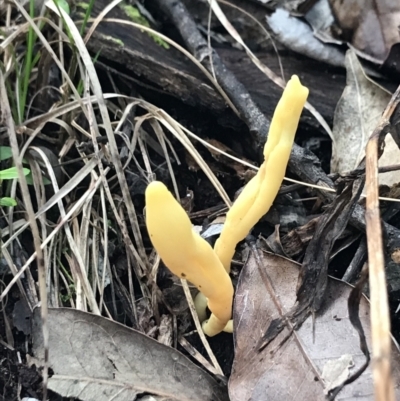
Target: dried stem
x=380, y=320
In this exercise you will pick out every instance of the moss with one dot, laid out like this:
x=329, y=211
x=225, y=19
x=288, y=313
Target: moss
x=134, y=14
x=115, y=40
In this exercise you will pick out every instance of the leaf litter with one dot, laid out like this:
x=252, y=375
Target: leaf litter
x=292, y=365
x=293, y=307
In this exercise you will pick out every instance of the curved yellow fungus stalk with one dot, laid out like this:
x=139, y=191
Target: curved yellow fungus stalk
x=258, y=195
x=188, y=255
x=200, y=303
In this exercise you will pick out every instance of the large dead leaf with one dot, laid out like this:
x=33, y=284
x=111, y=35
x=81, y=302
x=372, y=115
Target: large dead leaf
x=356, y=116
x=296, y=366
x=94, y=358
x=371, y=26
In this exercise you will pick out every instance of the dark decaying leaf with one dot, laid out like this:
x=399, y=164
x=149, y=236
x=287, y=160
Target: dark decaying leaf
x=314, y=271
x=292, y=365
x=94, y=358
x=296, y=240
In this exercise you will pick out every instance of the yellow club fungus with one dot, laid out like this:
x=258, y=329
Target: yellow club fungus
x=188, y=255
x=258, y=195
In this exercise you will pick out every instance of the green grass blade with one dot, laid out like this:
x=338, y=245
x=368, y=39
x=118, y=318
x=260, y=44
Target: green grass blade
x=8, y=202
x=11, y=173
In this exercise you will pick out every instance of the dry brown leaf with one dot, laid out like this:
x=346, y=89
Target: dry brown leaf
x=302, y=367
x=94, y=358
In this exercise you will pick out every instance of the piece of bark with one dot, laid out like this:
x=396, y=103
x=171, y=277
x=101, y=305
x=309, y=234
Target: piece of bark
x=136, y=53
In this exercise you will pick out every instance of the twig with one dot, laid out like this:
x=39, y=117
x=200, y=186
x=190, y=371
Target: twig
x=380, y=321
x=356, y=263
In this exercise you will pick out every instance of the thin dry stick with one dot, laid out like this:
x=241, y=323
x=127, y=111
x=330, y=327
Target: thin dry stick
x=199, y=328
x=196, y=355
x=380, y=321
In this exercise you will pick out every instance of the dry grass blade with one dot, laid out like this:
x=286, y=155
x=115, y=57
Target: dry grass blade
x=380, y=320
x=96, y=87
x=196, y=355
x=61, y=110
x=99, y=18
x=199, y=328
x=90, y=191
x=182, y=135
x=58, y=196
x=9, y=123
